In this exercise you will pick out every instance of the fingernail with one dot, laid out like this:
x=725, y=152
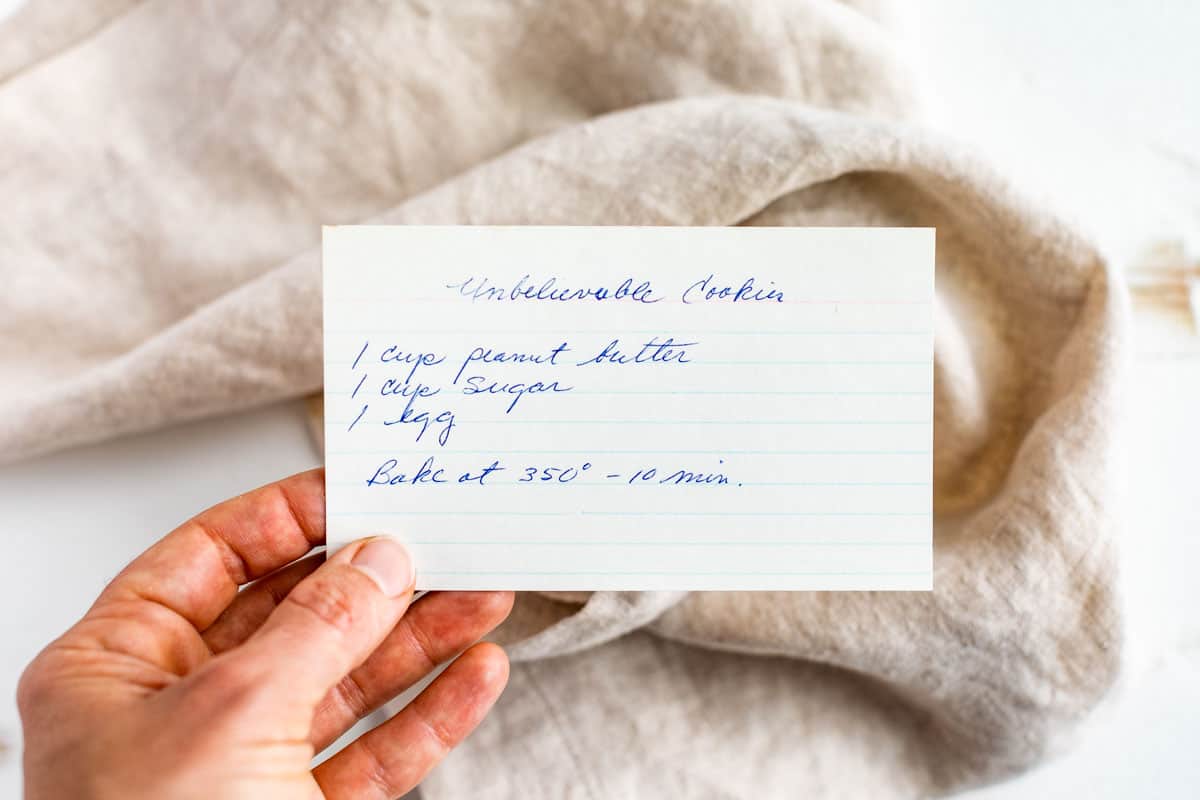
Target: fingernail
x=385, y=561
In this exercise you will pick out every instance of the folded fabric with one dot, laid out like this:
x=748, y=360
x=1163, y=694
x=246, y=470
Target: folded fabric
x=170, y=166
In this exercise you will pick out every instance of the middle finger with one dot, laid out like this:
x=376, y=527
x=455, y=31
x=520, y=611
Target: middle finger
x=436, y=628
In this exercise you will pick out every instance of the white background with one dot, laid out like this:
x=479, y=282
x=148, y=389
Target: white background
x=1092, y=105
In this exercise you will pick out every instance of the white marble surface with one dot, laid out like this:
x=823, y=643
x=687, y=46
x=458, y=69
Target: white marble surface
x=1091, y=105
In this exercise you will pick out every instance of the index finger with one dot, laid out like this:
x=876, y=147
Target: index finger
x=195, y=571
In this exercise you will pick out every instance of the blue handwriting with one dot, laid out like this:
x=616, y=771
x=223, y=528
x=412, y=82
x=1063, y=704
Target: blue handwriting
x=528, y=289
x=429, y=472
x=707, y=289
x=652, y=351
x=487, y=355
x=478, y=384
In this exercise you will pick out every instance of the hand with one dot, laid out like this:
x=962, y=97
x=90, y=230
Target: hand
x=174, y=685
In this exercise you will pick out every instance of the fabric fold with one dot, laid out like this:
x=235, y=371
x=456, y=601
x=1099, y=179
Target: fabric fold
x=173, y=169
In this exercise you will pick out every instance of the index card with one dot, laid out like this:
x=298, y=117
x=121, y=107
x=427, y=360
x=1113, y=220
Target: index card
x=634, y=408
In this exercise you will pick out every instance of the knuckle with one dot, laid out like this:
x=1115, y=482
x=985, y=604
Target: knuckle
x=332, y=603
x=283, y=518
x=386, y=775
x=441, y=737
x=421, y=645
x=353, y=698
x=33, y=688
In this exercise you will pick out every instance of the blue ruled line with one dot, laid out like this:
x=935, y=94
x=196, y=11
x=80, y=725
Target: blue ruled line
x=458, y=513
x=653, y=452
x=670, y=420
x=361, y=484
x=649, y=543
x=724, y=393
x=715, y=573
x=621, y=332
x=920, y=362
x=694, y=363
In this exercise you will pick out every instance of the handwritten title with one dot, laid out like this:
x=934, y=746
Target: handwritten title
x=528, y=288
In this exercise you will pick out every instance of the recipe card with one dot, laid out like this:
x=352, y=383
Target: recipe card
x=634, y=408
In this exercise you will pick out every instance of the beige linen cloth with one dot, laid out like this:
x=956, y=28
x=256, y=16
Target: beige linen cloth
x=166, y=165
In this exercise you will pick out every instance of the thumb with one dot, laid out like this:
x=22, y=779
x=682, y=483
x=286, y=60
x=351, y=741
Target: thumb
x=332, y=620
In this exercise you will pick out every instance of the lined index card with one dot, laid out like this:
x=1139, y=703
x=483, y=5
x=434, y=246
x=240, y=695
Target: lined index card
x=634, y=408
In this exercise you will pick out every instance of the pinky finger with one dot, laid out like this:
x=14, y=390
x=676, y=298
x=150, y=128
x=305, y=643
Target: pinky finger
x=390, y=760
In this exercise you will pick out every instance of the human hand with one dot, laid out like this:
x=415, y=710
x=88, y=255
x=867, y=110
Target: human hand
x=174, y=685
